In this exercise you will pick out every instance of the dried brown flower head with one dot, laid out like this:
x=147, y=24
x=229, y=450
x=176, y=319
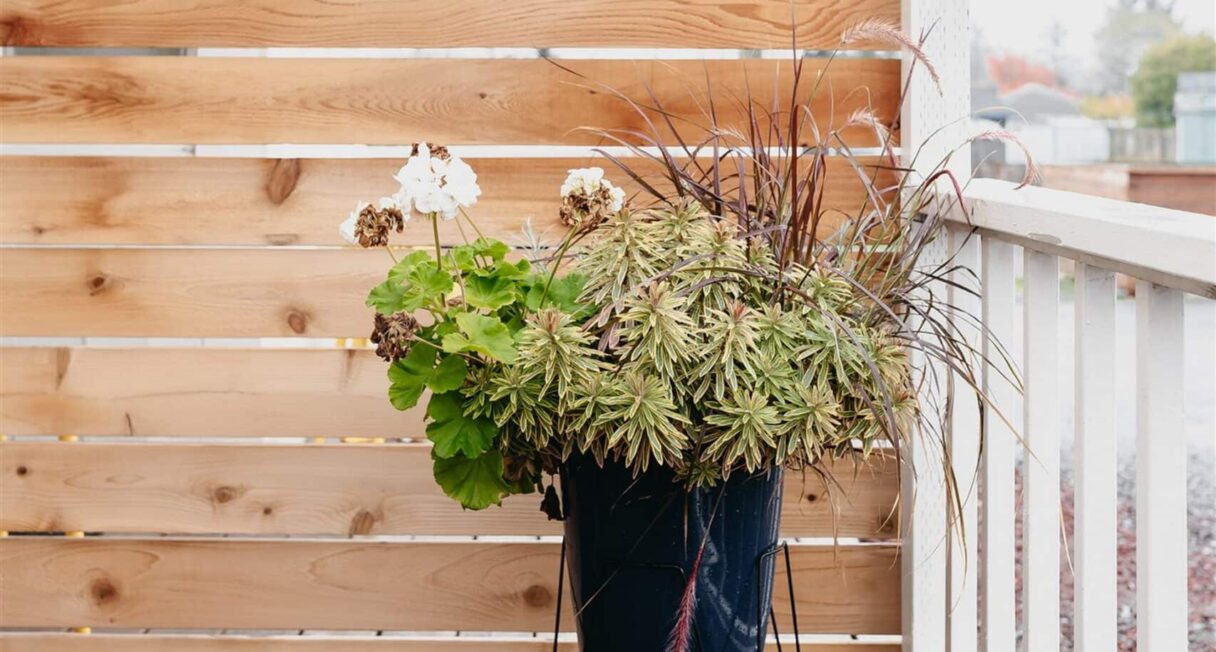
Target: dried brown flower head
x=584, y=210
x=436, y=151
x=394, y=334
x=374, y=224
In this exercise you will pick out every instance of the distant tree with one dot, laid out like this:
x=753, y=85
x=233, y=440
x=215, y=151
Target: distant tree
x=1156, y=77
x=1131, y=27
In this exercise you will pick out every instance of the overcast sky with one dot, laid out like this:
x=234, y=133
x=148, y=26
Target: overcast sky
x=1022, y=26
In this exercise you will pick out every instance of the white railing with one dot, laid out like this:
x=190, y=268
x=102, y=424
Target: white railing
x=1170, y=253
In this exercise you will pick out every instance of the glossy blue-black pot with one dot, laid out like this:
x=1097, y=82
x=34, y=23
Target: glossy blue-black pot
x=630, y=547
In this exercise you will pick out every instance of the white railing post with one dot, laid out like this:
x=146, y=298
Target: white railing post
x=1161, y=534
x=964, y=434
x=925, y=111
x=998, y=616
x=1041, y=464
x=1096, y=499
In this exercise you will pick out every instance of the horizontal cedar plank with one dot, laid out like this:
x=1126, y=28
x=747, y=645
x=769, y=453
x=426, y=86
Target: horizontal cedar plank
x=302, y=584
x=104, y=200
x=396, y=101
x=198, y=392
x=340, y=489
x=188, y=292
x=444, y=23
x=96, y=642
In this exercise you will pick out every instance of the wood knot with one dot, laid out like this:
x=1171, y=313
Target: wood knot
x=283, y=179
x=98, y=284
x=483, y=95
x=537, y=596
x=282, y=239
x=103, y=591
x=225, y=494
x=810, y=498
x=362, y=523
x=18, y=30
x=267, y=510
x=23, y=470
x=297, y=321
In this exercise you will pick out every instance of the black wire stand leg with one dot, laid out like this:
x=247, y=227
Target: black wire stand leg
x=784, y=546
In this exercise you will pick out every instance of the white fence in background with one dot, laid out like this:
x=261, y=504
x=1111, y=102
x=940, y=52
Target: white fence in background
x=1171, y=253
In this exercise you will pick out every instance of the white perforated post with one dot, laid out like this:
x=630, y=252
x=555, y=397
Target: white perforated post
x=925, y=111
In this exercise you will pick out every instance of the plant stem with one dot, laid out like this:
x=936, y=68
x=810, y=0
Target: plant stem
x=438, y=251
x=435, y=231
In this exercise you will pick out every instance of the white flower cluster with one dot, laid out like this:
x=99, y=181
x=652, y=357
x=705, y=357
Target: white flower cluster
x=432, y=182
x=435, y=184
x=589, y=181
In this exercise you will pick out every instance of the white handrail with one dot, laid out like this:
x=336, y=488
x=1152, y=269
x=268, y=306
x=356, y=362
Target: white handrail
x=1171, y=248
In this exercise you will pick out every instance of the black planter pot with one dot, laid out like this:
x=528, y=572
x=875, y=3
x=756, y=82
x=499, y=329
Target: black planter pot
x=631, y=544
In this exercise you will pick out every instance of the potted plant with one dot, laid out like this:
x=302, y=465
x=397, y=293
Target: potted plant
x=672, y=356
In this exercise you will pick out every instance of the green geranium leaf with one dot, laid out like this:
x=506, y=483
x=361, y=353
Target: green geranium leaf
x=387, y=298
x=464, y=257
x=496, y=250
x=452, y=432
x=399, y=271
x=417, y=371
x=449, y=375
x=563, y=293
x=425, y=284
x=489, y=292
x=516, y=271
x=476, y=483
x=485, y=335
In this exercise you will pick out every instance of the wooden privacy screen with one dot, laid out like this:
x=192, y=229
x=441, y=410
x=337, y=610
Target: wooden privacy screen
x=124, y=533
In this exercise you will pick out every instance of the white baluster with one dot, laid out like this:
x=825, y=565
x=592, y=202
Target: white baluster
x=964, y=445
x=998, y=615
x=1161, y=534
x=1096, y=500
x=1041, y=467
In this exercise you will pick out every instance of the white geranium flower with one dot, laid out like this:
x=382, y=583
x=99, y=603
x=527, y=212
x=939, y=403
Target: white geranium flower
x=618, y=198
x=438, y=184
x=584, y=180
x=347, y=228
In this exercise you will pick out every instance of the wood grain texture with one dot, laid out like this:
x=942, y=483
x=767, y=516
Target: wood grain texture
x=297, y=584
x=65, y=642
x=188, y=293
x=102, y=200
x=339, y=489
x=199, y=392
x=395, y=101
x=392, y=23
